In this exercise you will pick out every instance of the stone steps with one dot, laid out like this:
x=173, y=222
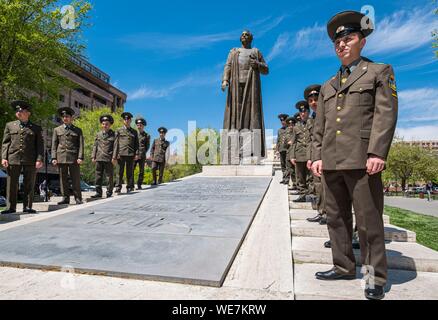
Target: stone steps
x=44, y=206
x=304, y=215
x=300, y=205
x=402, y=285
x=401, y=255
x=308, y=229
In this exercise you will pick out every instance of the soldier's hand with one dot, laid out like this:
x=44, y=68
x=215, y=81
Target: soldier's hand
x=93, y=160
x=5, y=163
x=39, y=164
x=309, y=164
x=55, y=162
x=225, y=85
x=317, y=168
x=375, y=165
x=114, y=162
x=294, y=162
x=136, y=158
x=79, y=161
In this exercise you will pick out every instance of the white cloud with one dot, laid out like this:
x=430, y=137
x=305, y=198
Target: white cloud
x=418, y=133
x=196, y=79
x=278, y=47
x=179, y=43
x=418, y=114
x=420, y=99
x=403, y=31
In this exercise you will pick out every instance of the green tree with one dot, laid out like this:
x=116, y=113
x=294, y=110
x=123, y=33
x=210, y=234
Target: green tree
x=34, y=47
x=90, y=125
x=410, y=163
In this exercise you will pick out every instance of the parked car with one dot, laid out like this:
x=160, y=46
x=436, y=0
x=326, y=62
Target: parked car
x=417, y=190
x=2, y=201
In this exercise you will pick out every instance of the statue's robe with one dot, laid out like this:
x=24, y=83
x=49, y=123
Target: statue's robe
x=245, y=111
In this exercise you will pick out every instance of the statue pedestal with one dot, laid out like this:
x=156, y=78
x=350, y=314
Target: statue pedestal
x=238, y=171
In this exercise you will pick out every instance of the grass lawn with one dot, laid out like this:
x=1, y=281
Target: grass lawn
x=426, y=227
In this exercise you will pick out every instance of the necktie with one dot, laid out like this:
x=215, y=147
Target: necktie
x=345, y=75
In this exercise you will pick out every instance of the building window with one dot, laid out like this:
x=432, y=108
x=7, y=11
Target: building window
x=61, y=98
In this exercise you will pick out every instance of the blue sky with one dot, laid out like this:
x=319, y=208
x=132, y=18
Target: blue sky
x=168, y=56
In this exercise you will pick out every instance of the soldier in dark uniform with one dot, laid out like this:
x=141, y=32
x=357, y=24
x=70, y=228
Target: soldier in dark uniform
x=22, y=151
x=68, y=155
x=300, y=153
x=290, y=121
x=311, y=94
x=282, y=147
x=126, y=152
x=158, y=155
x=103, y=156
x=144, y=140
x=354, y=129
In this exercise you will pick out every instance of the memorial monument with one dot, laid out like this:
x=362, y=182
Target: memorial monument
x=244, y=130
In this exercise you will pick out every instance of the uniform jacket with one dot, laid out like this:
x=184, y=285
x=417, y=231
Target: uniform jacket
x=22, y=145
x=103, y=148
x=159, y=149
x=302, y=141
x=126, y=143
x=356, y=119
x=290, y=136
x=67, y=144
x=282, y=145
x=144, y=140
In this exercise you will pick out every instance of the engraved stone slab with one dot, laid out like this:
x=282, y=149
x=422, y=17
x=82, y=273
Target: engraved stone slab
x=187, y=231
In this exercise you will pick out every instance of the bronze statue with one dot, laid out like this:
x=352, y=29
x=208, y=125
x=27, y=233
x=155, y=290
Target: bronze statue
x=244, y=99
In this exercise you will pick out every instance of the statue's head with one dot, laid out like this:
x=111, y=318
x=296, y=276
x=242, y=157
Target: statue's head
x=246, y=37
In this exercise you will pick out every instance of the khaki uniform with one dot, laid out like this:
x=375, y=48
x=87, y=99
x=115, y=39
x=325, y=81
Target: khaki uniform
x=144, y=140
x=67, y=148
x=103, y=151
x=282, y=148
x=317, y=185
x=301, y=146
x=22, y=146
x=158, y=155
x=356, y=119
x=290, y=168
x=125, y=150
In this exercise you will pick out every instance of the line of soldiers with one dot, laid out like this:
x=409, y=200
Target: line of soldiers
x=23, y=152
x=294, y=145
x=345, y=144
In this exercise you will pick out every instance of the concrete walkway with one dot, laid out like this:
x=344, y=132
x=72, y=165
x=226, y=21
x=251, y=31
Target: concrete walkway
x=262, y=269
x=416, y=205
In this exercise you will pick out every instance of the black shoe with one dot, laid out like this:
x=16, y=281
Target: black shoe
x=109, y=195
x=118, y=191
x=356, y=244
x=328, y=244
x=139, y=188
x=96, y=196
x=160, y=182
x=333, y=275
x=29, y=210
x=154, y=184
x=315, y=219
x=65, y=201
x=79, y=201
x=301, y=199
x=378, y=293
x=323, y=221
x=9, y=211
